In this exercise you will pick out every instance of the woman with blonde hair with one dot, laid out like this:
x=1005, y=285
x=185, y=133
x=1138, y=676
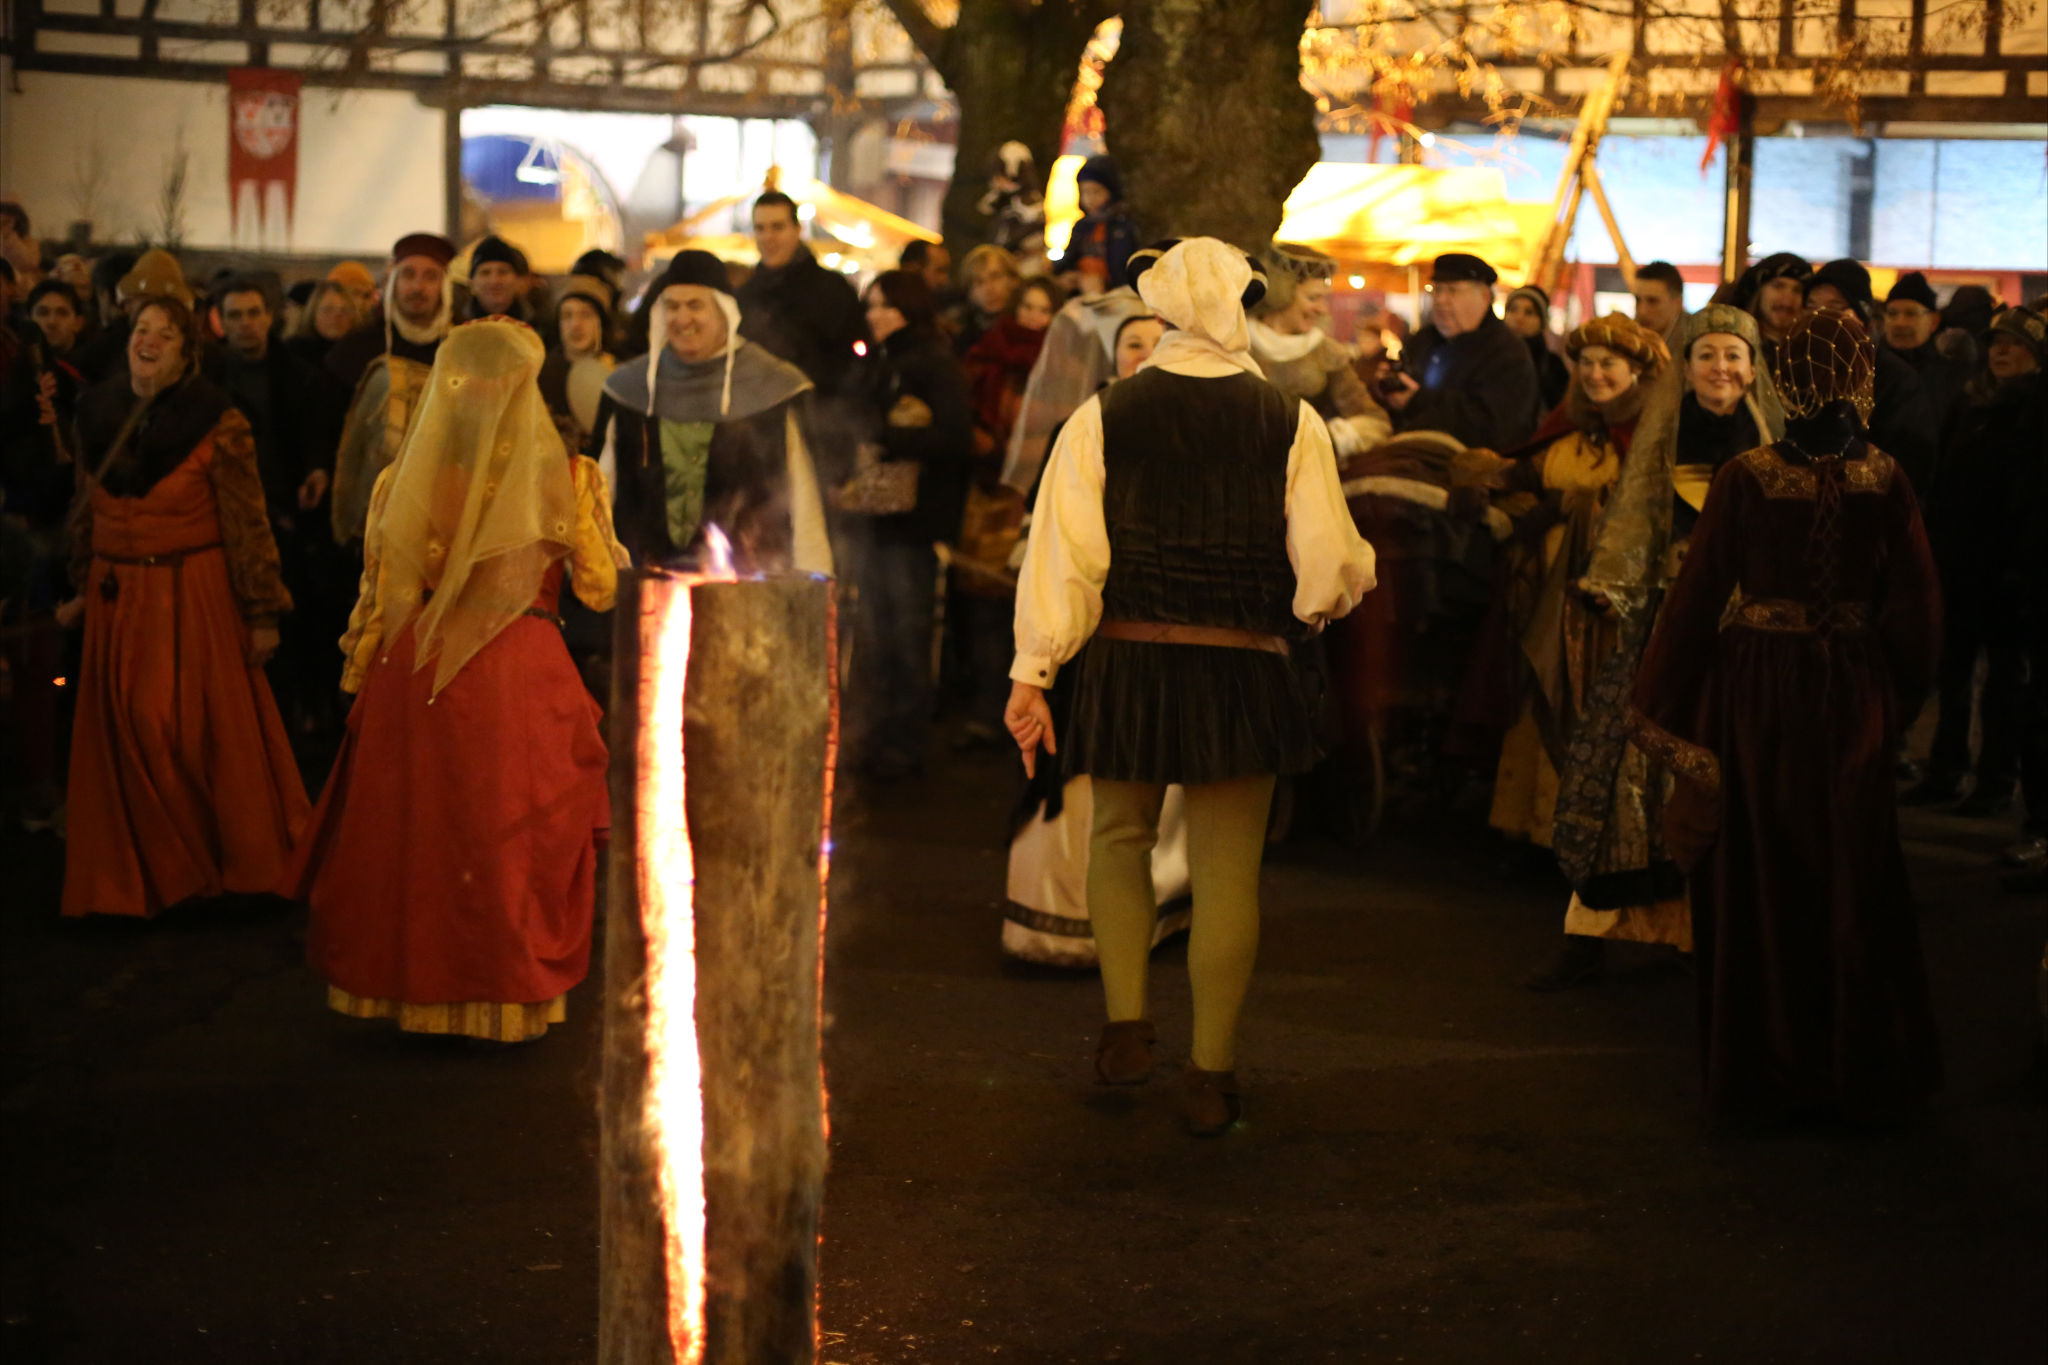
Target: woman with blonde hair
x=451, y=863
x=330, y=314
x=993, y=280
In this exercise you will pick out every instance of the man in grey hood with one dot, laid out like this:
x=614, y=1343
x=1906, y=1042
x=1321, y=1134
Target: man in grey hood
x=709, y=436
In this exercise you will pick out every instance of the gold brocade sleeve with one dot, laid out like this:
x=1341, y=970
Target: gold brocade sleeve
x=596, y=557
x=365, y=633
x=245, y=523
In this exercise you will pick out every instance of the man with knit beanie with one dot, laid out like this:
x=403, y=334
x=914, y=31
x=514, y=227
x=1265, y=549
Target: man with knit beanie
x=498, y=280
x=1912, y=331
x=708, y=437
x=385, y=364
x=1903, y=424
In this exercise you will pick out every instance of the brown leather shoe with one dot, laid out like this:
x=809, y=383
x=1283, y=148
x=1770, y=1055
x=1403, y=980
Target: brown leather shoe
x=1209, y=1102
x=1123, y=1056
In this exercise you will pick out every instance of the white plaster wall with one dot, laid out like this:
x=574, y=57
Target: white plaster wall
x=370, y=162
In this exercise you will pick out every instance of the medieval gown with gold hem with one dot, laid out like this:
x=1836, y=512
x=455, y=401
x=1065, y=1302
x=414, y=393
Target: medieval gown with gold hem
x=451, y=863
x=1782, y=728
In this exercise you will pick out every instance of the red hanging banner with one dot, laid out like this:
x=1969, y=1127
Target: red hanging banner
x=263, y=139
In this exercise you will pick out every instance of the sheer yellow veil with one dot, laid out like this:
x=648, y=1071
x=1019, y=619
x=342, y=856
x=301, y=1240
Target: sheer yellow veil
x=482, y=500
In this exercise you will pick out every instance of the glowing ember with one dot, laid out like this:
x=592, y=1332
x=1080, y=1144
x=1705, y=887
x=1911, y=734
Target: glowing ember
x=675, y=1091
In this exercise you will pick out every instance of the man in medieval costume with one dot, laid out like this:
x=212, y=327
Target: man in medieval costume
x=1190, y=528
x=385, y=364
x=710, y=437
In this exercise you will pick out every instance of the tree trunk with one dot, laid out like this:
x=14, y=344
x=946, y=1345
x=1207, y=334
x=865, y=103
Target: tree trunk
x=1011, y=68
x=1207, y=117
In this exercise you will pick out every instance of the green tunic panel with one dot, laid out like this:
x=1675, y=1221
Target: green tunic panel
x=685, y=460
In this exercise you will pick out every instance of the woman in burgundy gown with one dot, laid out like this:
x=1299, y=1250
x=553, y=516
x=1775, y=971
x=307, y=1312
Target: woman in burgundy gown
x=450, y=867
x=1782, y=728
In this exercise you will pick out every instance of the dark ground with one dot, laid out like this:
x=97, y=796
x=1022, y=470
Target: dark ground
x=203, y=1164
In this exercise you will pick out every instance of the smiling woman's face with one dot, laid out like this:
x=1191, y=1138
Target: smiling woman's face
x=1721, y=370
x=1605, y=375
x=156, y=351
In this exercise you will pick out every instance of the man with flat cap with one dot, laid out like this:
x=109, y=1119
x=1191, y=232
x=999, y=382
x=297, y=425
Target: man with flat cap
x=385, y=363
x=1465, y=374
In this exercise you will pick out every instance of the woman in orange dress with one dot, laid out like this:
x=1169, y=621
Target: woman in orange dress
x=182, y=779
x=451, y=864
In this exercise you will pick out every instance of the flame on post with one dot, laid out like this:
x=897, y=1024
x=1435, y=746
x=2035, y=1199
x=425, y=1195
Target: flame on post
x=675, y=1089
x=675, y=1109
x=717, y=553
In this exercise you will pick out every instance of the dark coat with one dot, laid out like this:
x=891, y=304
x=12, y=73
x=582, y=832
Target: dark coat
x=921, y=365
x=1480, y=387
x=1980, y=508
x=353, y=353
x=1942, y=375
x=1109, y=236
x=807, y=315
x=1904, y=424
x=296, y=420
x=36, y=485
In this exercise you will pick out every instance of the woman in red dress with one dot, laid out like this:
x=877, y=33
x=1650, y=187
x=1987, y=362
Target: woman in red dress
x=1783, y=730
x=451, y=863
x=182, y=779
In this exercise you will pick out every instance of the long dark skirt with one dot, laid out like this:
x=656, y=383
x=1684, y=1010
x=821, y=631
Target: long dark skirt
x=1813, y=993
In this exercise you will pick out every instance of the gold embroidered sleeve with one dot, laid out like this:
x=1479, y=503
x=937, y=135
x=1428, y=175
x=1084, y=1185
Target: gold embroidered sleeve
x=245, y=523
x=365, y=633
x=1682, y=757
x=596, y=557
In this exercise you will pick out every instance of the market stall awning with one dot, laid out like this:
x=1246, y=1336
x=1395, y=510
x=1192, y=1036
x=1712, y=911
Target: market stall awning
x=1375, y=217
x=828, y=214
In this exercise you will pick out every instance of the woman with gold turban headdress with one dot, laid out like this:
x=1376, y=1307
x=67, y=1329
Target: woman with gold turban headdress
x=1716, y=402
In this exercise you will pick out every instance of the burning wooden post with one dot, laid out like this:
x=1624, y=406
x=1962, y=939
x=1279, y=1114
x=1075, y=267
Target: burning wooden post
x=713, y=1160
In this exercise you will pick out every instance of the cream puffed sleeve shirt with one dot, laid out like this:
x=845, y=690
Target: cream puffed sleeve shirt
x=1059, y=588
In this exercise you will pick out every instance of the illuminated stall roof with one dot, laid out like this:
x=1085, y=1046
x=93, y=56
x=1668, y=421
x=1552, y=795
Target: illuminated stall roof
x=1377, y=218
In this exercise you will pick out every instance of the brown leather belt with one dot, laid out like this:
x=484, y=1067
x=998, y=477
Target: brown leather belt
x=157, y=561
x=1159, y=633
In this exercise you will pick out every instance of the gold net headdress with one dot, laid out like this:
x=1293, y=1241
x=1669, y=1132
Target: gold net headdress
x=1826, y=358
x=482, y=501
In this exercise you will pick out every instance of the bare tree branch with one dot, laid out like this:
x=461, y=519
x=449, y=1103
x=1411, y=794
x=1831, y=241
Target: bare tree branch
x=933, y=39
